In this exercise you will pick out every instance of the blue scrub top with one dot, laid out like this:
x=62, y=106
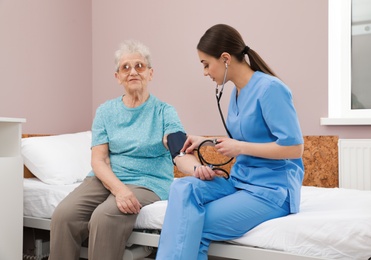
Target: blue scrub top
x=264, y=112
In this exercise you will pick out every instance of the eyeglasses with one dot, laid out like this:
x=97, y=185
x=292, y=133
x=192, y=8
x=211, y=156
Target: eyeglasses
x=139, y=67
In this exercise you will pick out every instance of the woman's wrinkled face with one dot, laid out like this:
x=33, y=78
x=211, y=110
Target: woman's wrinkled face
x=214, y=68
x=133, y=72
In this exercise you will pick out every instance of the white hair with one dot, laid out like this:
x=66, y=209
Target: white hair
x=132, y=46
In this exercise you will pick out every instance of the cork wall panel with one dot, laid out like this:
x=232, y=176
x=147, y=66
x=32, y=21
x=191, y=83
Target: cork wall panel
x=321, y=161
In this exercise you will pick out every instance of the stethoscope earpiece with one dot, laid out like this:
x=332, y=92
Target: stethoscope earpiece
x=226, y=64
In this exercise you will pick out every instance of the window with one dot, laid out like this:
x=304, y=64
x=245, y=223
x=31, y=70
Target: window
x=349, y=63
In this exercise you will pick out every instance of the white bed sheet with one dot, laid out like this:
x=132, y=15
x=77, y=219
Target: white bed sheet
x=40, y=200
x=332, y=224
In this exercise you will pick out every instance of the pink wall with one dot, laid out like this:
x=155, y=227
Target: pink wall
x=56, y=57
x=290, y=35
x=45, y=64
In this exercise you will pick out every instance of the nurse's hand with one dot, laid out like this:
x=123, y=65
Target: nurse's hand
x=228, y=147
x=192, y=143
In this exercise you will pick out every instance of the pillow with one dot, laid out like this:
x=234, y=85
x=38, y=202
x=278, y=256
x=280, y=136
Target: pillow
x=58, y=159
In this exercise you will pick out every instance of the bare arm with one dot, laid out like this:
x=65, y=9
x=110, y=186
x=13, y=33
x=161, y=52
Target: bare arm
x=125, y=199
x=186, y=164
x=232, y=148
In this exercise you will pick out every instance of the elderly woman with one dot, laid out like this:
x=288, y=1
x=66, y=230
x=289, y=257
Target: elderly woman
x=131, y=165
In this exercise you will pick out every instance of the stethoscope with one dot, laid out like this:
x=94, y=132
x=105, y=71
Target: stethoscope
x=219, y=96
x=212, y=165
x=203, y=161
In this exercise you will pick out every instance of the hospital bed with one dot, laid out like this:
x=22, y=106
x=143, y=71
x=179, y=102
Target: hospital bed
x=333, y=223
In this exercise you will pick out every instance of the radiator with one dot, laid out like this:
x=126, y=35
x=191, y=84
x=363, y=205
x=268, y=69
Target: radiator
x=355, y=163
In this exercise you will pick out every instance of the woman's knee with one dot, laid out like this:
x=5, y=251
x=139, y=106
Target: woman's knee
x=185, y=181
x=64, y=213
x=183, y=185
x=108, y=216
x=186, y=190
x=99, y=219
x=113, y=223
x=204, y=191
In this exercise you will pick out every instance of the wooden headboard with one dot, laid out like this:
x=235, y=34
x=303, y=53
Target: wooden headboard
x=320, y=161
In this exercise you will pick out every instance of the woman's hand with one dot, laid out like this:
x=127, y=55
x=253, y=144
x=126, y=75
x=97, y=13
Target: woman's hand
x=192, y=143
x=204, y=173
x=228, y=147
x=126, y=202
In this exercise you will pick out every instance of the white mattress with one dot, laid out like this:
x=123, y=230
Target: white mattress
x=332, y=224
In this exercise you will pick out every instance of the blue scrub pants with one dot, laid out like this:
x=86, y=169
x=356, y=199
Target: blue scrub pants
x=199, y=212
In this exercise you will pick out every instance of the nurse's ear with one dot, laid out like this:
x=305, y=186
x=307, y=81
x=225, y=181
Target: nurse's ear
x=226, y=57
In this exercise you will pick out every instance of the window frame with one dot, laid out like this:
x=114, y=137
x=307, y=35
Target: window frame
x=339, y=68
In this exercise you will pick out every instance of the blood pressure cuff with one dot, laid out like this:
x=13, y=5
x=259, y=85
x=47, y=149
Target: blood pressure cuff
x=175, y=142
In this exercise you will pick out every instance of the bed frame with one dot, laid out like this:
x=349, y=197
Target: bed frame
x=321, y=165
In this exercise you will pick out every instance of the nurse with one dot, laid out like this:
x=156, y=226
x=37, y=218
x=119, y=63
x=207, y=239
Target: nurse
x=264, y=136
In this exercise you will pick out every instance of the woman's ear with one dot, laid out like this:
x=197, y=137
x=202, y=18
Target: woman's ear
x=226, y=57
x=118, y=78
x=150, y=74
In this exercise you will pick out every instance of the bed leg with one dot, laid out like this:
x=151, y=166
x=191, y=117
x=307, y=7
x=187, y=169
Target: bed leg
x=41, y=251
x=136, y=252
x=42, y=248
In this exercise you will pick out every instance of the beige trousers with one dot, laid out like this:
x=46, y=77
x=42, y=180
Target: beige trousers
x=90, y=211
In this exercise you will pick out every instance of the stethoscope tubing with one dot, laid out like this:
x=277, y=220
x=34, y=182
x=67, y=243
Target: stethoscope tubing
x=213, y=166
x=219, y=96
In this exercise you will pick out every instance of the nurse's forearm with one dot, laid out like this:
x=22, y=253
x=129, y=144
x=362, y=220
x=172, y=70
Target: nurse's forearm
x=271, y=150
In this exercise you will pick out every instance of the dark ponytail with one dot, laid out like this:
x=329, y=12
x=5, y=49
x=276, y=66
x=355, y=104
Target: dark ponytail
x=224, y=38
x=258, y=64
